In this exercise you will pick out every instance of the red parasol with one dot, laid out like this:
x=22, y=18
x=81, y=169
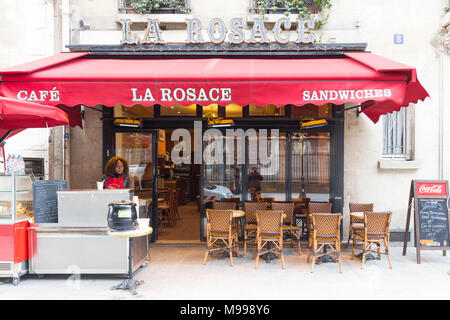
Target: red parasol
x=16, y=115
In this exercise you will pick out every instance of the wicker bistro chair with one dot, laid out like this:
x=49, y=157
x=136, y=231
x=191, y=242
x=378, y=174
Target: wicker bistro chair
x=229, y=205
x=289, y=225
x=326, y=233
x=376, y=231
x=220, y=234
x=269, y=234
x=356, y=223
x=250, y=209
x=315, y=207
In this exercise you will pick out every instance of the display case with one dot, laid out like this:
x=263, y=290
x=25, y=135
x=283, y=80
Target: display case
x=16, y=211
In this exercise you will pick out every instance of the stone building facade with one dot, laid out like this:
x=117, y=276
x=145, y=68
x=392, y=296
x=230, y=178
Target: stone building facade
x=412, y=33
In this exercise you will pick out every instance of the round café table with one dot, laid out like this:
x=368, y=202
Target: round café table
x=142, y=230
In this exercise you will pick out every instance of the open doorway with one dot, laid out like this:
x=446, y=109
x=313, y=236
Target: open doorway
x=178, y=185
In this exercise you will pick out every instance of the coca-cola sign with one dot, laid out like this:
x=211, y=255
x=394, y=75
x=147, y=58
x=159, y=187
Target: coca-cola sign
x=431, y=189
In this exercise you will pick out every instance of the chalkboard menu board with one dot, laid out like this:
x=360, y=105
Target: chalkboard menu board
x=433, y=222
x=432, y=228
x=45, y=201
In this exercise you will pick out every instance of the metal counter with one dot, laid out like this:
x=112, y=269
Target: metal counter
x=78, y=243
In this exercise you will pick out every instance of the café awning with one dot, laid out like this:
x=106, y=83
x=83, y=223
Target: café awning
x=74, y=79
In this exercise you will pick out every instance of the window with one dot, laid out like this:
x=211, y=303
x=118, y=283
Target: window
x=277, y=6
x=397, y=134
x=165, y=6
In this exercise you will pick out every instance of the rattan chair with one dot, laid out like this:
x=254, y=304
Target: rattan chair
x=224, y=205
x=326, y=234
x=269, y=234
x=357, y=223
x=315, y=207
x=376, y=231
x=289, y=226
x=220, y=234
x=250, y=209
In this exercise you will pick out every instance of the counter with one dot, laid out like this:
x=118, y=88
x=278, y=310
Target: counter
x=78, y=242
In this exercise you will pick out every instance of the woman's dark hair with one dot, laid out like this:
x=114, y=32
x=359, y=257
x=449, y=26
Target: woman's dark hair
x=110, y=168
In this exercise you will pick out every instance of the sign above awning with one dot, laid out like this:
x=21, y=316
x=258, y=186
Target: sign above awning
x=73, y=79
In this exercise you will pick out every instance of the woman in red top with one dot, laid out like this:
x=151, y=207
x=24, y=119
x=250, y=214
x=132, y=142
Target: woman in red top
x=117, y=174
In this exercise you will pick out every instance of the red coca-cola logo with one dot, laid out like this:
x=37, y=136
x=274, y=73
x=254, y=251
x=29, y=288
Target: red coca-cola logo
x=431, y=189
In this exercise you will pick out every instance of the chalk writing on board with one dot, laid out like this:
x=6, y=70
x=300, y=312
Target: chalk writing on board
x=433, y=222
x=45, y=203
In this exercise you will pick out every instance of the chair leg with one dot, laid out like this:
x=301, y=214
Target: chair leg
x=379, y=250
x=353, y=246
x=363, y=255
x=298, y=244
x=338, y=253
x=281, y=252
x=245, y=242
x=257, y=254
x=386, y=248
x=206, y=256
x=314, y=256
x=349, y=236
x=236, y=243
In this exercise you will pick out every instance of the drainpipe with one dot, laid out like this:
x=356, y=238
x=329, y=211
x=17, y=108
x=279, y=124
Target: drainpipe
x=441, y=117
x=65, y=37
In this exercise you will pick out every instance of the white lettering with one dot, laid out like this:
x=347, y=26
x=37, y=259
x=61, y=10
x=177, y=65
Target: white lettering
x=148, y=95
x=54, y=95
x=226, y=94
x=306, y=95
x=343, y=94
x=333, y=95
x=32, y=96
x=359, y=94
x=202, y=95
x=135, y=98
x=20, y=95
x=175, y=94
x=191, y=94
x=165, y=94
x=211, y=94
x=387, y=93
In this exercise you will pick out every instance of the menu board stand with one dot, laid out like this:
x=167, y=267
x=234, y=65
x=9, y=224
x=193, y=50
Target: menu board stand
x=431, y=218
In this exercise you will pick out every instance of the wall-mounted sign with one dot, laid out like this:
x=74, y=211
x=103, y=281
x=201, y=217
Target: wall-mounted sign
x=219, y=32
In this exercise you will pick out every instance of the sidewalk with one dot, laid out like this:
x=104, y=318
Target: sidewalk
x=176, y=272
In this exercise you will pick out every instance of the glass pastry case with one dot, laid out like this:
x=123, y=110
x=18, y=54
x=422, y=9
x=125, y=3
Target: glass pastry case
x=16, y=211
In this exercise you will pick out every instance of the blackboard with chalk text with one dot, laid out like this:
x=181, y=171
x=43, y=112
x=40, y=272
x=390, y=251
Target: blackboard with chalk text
x=45, y=201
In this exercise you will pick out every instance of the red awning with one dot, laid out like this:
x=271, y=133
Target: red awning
x=75, y=79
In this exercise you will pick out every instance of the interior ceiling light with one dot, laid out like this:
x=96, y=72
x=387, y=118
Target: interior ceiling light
x=313, y=123
x=123, y=122
x=218, y=123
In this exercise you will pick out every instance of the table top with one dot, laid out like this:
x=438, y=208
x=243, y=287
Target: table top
x=359, y=215
x=143, y=229
x=238, y=213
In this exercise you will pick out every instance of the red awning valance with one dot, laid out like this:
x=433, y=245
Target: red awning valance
x=74, y=79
